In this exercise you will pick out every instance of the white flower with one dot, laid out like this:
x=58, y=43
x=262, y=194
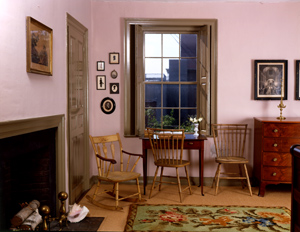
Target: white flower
x=195, y=120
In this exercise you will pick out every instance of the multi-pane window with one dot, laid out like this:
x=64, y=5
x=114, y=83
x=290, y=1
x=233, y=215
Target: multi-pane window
x=170, y=74
x=170, y=80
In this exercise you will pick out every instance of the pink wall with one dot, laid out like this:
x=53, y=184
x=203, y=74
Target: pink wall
x=246, y=31
x=27, y=95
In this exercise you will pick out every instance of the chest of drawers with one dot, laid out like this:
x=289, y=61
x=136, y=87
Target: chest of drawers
x=272, y=141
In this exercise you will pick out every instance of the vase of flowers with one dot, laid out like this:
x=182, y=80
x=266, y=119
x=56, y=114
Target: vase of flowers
x=196, y=122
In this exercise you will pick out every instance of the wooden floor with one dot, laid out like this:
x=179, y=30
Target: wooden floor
x=279, y=195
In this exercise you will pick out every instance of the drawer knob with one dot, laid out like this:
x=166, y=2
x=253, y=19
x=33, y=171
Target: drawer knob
x=275, y=159
x=274, y=174
x=275, y=130
x=275, y=145
x=191, y=143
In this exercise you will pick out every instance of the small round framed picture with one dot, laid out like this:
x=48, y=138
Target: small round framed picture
x=114, y=74
x=108, y=105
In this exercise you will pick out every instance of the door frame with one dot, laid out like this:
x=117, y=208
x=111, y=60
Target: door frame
x=71, y=21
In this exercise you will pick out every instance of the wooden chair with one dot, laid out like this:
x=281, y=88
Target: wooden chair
x=229, y=140
x=108, y=170
x=167, y=149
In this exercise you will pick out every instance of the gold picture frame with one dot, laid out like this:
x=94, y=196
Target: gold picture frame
x=39, y=47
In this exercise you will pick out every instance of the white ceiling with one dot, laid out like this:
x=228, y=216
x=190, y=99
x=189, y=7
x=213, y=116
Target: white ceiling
x=236, y=1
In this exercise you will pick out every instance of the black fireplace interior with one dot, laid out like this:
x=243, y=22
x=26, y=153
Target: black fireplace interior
x=27, y=172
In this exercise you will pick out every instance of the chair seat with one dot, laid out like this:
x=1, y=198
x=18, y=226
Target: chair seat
x=232, y=159
x=118, y=176
x=171, y=163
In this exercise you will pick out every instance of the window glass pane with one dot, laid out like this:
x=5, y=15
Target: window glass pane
x=170, y=118
x=171, y=45
x=152, y=69
x=153, y=118
x=188, y=45
x=188, y=96
x=152, y=95
x=171, y=69
x=185, y=116
x=188, y=69
x=170, y=95
x=152, y=45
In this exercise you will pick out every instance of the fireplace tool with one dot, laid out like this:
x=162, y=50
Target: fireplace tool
x=62, y=219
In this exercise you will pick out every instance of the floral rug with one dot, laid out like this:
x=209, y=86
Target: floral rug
x=145, y=217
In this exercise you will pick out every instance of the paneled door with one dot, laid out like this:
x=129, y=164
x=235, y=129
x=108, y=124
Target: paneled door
x=77, y=110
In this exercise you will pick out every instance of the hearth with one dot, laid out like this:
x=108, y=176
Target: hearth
x=29, y=153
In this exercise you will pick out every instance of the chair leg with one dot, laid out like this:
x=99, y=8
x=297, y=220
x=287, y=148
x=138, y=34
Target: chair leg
x=96, y=190
x=161, y=175
x=138, y=188
x=117, y=194
x=179, y=185
x=248, y=181
x=188, y=179
x=153, y=182
x=241, y=175
x=214, y=180
x=218, y=178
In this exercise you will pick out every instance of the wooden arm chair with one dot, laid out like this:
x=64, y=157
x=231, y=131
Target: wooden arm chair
x=229, y=140
x=108, y=170
x=167, y=149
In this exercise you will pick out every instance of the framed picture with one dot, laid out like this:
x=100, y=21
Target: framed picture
x=101, y=82
x=114, y=74
x=114, y=88
x=270, y=79
x=114, y=58
x=100, y=65
x=39, y=47
x=108, y=105
x=297, y=80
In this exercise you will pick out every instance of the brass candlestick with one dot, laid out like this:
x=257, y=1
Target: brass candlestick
x=281, y=105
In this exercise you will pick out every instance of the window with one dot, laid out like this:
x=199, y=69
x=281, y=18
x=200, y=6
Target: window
x=170, y=74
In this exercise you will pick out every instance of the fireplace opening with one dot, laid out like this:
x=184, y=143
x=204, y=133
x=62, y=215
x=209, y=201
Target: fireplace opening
x=28, y=172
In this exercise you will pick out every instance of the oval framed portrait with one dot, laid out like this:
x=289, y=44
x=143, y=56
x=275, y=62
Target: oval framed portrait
x=114, y=74
x=108, y=105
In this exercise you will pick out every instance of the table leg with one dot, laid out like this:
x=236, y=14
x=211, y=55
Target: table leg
x=201, y=152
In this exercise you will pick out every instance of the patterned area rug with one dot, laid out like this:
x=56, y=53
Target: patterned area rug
x=144, y=217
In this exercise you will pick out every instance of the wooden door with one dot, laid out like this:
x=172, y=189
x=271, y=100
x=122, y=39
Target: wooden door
x=77, y=110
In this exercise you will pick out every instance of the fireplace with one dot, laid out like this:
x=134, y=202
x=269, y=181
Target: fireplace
x=31, y=159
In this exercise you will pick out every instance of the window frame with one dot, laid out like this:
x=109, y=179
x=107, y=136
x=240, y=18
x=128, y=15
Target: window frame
x=164, y=31
x=133, y=96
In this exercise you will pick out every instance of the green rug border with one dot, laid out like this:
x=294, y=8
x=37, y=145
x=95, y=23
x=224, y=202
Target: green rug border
x=133, y=209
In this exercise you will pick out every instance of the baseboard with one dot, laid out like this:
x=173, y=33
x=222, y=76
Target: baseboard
x=207, y=181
